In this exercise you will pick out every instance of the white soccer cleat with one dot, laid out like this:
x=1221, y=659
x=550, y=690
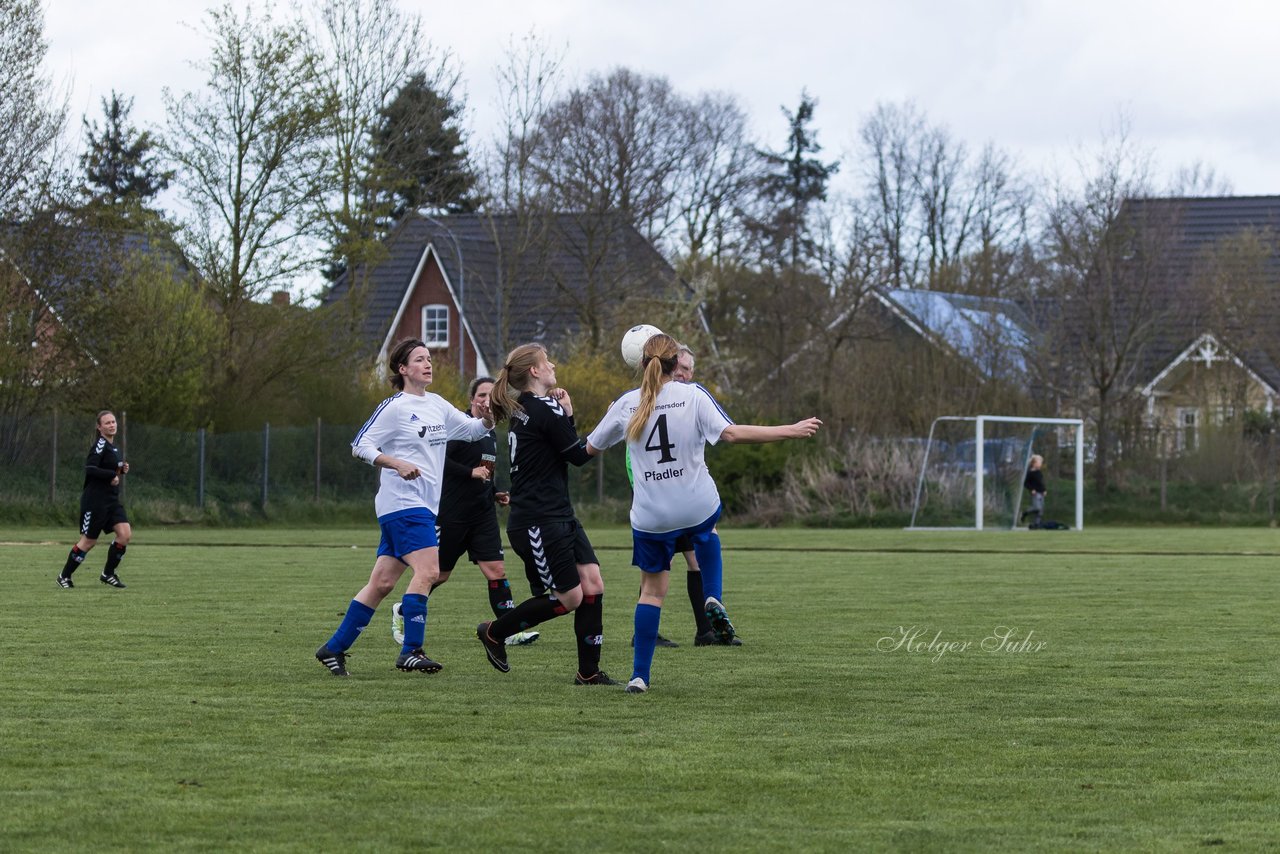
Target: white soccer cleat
x=522, y=638
x=636, y=686
x=397, y=624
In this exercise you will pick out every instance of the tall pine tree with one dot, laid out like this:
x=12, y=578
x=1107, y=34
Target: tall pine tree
x=792, y=181
x=120, y=164
x=419, y=157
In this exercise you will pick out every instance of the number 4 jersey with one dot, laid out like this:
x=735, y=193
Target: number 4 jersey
x=673, y=488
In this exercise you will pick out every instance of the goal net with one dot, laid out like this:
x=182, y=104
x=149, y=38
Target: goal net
x=972, y=471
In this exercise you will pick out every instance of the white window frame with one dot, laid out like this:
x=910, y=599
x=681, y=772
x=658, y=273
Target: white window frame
x=434, y=341
x=1187, y=423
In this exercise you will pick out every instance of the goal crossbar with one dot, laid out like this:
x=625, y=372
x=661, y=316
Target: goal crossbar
x=980, y=422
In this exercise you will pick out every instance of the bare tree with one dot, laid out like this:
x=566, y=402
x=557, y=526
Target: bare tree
x=32, y=112
x=250, y=152
x=948, y=220
x=250, y=155
x=1106, y=266
x=370, y=49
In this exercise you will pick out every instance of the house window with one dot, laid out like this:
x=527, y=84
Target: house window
x=435, y=325
x=1186, y=437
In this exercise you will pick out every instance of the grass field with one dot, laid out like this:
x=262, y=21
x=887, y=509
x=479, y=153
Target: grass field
x=1133, y=705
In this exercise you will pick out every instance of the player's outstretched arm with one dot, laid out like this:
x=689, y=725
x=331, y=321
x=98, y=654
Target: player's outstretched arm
x=757, y=434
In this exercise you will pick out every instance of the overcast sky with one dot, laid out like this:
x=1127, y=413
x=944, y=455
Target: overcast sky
x=1197, y=81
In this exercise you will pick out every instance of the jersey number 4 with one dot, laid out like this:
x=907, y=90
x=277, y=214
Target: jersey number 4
x=663, y=445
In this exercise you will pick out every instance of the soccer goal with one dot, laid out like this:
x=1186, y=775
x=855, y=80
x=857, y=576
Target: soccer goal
x=972, y=470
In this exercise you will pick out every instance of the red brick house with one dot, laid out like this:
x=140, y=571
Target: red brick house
x=474, y=285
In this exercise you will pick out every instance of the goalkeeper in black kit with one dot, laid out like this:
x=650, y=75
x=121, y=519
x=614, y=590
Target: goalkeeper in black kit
x=1034, y=484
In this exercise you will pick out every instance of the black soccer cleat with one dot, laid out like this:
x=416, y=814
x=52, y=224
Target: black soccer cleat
x=719, y=620
x=496, y=650
x=335, y=661
x=597, y=678
x=710, y=638
x=64, y=581
x=112, y=581
x=416, y=661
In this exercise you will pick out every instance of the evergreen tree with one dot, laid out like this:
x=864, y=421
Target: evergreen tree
x=120, y=164
x=792, y=180
x=419, y=157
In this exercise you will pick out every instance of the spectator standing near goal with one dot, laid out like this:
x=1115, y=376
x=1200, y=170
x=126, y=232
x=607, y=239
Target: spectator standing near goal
x=406, y=438
x=562, y=568
x=100, y=507
x=1034, y=484
x=468, y=520
x=666, y=426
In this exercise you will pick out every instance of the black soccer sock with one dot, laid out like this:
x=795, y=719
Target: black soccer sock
x=588, y=626
x=526, y=615
x=500, y=597
x=694, y=582
x=114, y=555
x=74, y=559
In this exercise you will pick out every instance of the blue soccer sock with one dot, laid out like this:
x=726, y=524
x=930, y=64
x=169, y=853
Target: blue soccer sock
x=646, y=628
x=358, y=616
x=708, y=554
x=413, y=607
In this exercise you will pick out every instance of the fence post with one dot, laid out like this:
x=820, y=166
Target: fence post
x=317, y=459
x=53, y=462
x=1162, y=442
x=124, y=445
x=266, y=460
x=1271, y=473
x=200, y=468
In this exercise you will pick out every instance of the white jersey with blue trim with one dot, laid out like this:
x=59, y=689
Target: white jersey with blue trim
x=417, y=429
x=672, y=487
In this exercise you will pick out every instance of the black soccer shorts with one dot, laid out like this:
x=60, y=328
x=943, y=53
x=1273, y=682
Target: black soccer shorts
x=98, y=517
x=551, y=553
x=480, y=539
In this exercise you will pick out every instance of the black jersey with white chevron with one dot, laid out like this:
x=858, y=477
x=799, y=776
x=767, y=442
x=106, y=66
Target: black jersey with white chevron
x=542, y=442
x=100, y=468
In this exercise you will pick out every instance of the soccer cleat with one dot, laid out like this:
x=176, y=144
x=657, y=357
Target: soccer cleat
x=597, y=678
x=416, y=661
x=667, y=642
x=719, y=620
x=112, y=581
x=522, y=638
x=710, y=638
x=64, y=581
x=636, y=686
x=397, y=624
x=495, y=650
x=335, y=661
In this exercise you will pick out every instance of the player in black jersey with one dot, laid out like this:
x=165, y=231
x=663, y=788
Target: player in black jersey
x=100, y=508
x=563, y=572
x=468, y=520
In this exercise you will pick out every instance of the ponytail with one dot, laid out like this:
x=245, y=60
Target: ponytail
x=513, y=379
x=658, y=361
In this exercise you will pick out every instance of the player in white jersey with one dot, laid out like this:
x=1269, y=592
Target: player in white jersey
x=666, y=426
x=405, y=437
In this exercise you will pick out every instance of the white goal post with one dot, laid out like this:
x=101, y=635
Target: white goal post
x=979, y=466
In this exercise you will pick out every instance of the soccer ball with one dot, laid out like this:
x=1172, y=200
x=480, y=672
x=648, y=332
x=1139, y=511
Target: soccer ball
x=633, y=343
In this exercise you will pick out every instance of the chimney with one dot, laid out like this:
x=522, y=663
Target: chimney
x=280, y=298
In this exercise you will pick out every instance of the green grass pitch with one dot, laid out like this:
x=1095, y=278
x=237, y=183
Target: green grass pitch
x=1097, y=690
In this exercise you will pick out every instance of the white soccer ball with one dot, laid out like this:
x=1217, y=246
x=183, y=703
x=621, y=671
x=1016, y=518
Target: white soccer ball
x=633, y=343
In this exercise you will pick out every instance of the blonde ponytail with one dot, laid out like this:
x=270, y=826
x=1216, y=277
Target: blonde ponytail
x=513, y=379
x=659, y=360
